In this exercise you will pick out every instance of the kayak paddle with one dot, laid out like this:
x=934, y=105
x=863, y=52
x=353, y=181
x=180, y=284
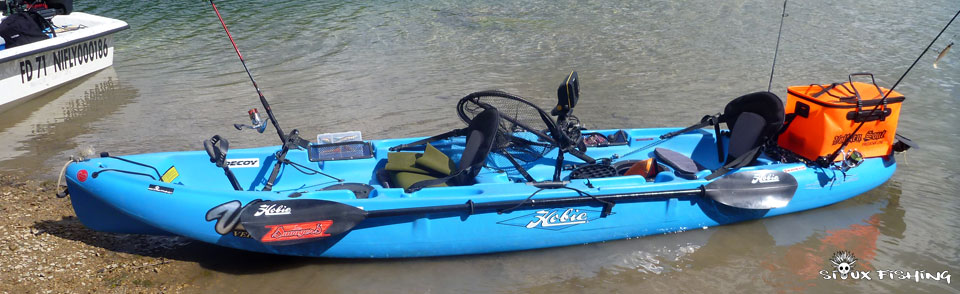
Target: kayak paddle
x=286, y=222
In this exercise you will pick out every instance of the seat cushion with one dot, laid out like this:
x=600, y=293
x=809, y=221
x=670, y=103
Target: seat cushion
x=404, y=161
x=407, y=168
x=683, y=165
x=406, y=179
x=435, y=161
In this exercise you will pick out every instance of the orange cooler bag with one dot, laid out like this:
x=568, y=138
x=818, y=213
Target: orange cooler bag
x=825, y=115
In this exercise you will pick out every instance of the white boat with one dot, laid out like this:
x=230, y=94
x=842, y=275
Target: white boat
x=83, y=47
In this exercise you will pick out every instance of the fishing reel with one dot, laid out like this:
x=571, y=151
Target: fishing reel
x=255, y=122
x=851, y=159
x=572, y=129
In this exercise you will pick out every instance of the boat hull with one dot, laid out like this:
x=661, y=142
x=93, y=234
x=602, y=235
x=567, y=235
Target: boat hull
x=30, y=70
x=202, y=202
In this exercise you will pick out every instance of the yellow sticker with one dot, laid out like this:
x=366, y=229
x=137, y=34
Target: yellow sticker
x=170, y=175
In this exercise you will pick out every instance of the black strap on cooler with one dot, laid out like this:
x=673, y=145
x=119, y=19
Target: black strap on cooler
x=786, y=124
x=824, y=90
x=869, y=115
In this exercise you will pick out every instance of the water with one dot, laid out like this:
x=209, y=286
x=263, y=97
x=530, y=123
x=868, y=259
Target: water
x=395, y=69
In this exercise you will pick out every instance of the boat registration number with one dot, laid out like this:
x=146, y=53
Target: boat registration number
x=39, y=66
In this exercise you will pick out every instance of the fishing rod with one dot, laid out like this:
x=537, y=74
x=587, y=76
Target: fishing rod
x=263, y=100
x=288, y=141
x=783, y=14
x=884, y=99
x=713, y=119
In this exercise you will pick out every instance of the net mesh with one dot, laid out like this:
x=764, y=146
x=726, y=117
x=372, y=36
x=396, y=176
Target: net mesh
x=523, y=133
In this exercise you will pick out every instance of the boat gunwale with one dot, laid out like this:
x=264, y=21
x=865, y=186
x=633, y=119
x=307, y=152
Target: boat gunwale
x=66, y=43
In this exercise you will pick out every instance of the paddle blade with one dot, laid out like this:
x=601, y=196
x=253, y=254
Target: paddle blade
x=758, y=189
x=287, y=222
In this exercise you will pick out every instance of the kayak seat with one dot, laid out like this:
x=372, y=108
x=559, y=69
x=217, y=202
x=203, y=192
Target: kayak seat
x=753, y=119
x=745, y=135
x=432, y=168
x=407, y=168
x=682, y=165
x=764, y=104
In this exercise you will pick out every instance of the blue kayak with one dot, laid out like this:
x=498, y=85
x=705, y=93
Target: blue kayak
x=505, y=182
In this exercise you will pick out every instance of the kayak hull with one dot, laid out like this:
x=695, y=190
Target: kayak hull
x=200, y=202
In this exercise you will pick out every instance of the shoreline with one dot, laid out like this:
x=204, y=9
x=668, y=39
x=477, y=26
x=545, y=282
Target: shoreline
x=45, y=249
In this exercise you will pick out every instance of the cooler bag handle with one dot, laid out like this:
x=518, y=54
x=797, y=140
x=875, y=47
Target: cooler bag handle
x=822, y=89
x=826, y=90
x=883, y=107
x=872, y=80
x=856, y=98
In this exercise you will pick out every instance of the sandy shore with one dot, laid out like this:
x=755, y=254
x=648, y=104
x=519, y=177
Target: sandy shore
x=45, y=249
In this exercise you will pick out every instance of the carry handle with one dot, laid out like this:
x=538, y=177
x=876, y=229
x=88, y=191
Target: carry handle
x=872, y=80
x=857, y=115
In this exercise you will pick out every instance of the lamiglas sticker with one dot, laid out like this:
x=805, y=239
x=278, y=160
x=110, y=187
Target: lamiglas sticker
x=553, y=219
x=170, y=175
x=242, y=162
x=795, y=169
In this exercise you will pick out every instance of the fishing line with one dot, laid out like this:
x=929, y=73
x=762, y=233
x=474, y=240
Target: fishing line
x=921, y=55
x=657, y=142
x=884, y=99
x=783, y=14
x=263, y=100
x=662, y=139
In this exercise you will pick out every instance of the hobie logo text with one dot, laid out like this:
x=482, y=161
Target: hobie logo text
x=765, y=178
x=272, y=209
x=552, y=218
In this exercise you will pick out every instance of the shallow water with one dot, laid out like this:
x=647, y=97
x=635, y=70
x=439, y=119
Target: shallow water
x=396, y=69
